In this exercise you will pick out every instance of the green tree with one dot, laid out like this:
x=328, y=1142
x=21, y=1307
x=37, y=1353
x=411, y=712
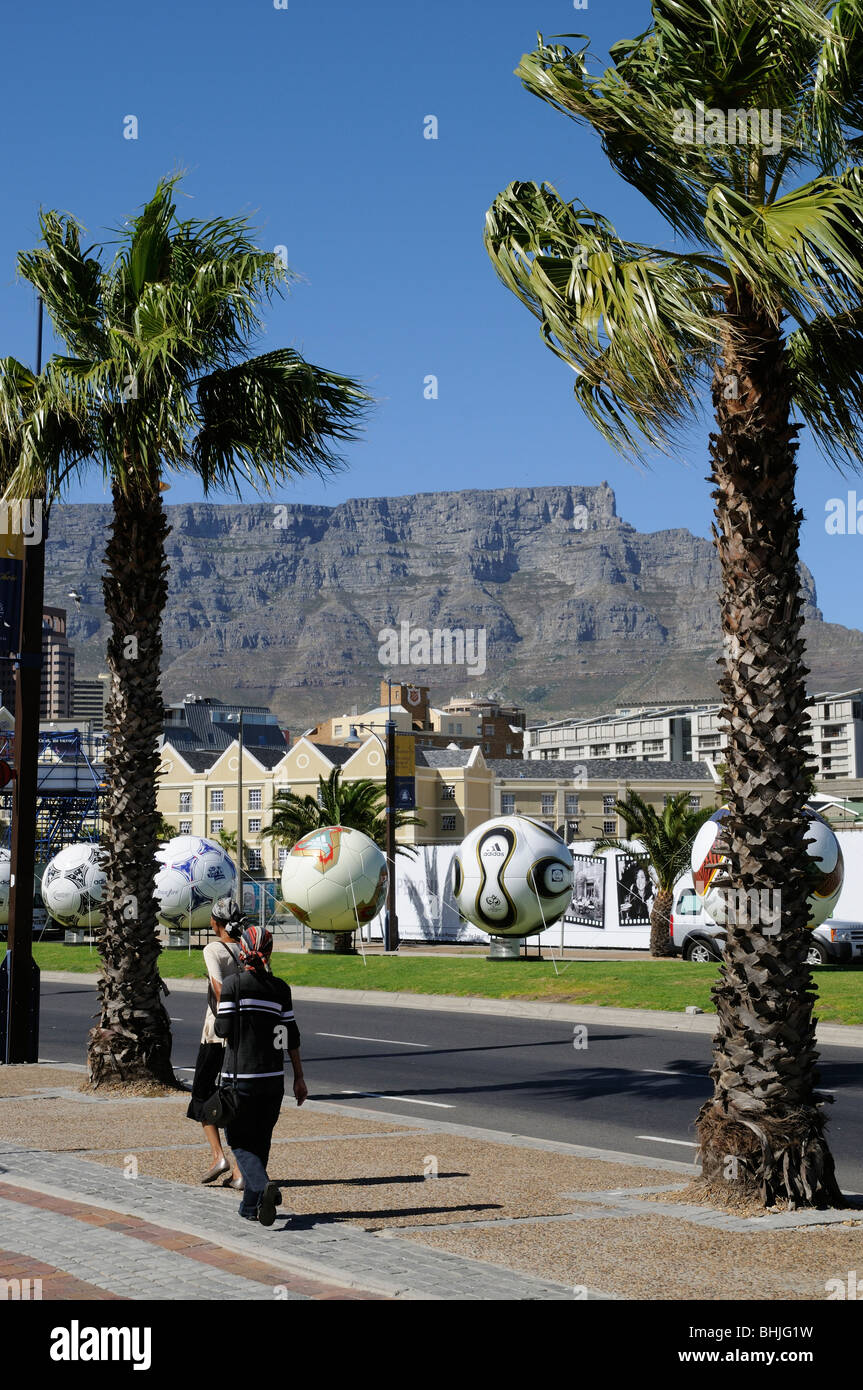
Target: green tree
x=739, y=123
x=228, y=840
x=156, y=378
x=667, y=841
x=356, y=805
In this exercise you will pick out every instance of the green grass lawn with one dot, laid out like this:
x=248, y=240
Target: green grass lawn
x=636, y=984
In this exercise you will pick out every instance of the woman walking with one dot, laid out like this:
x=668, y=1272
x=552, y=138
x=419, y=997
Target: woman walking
x=221, y=958
x=256, y=1016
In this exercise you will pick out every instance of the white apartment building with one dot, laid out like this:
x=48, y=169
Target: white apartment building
x=646, y=734
x=681, y=732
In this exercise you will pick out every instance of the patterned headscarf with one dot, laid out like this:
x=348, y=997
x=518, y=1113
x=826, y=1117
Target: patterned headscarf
x=256, y=946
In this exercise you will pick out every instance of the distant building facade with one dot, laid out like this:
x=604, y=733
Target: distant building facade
x=201, y=722
x=656, y=733
x=498, y=730
x=58, y=666
x=88, y=701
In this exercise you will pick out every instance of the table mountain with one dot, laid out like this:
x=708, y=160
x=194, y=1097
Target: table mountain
x=284, y=604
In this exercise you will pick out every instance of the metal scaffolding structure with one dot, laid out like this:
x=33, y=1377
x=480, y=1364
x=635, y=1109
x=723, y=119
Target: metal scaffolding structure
x=69, y=794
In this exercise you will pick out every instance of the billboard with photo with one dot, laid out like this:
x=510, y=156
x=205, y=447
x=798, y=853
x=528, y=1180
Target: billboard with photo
x=587, y=908
x=635, y=891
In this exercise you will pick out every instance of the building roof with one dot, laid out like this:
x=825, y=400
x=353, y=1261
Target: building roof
x=443, y=757
x=598, y=770
x=201, y=731
x=198, y=759
x=336, y=753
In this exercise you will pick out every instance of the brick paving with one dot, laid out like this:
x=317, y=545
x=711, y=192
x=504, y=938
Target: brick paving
x=88, y=1235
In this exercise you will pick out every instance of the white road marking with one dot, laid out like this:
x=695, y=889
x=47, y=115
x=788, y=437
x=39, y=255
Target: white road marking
x=353, y=1037
x=409, y=1100
x=655, y=1139
x=657, y=1071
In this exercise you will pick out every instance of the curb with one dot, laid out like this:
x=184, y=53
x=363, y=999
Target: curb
x=829, y=1034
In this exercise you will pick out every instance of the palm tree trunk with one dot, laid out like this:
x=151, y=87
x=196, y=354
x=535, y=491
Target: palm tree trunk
x=660, y=923
x=133, y=1039
x=762, y=1131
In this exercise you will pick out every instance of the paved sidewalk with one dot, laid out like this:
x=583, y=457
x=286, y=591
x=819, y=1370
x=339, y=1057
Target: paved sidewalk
x=100, y=1198
x=196, y=1257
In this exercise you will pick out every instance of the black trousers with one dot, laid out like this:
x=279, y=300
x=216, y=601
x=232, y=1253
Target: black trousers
x=250, y=1134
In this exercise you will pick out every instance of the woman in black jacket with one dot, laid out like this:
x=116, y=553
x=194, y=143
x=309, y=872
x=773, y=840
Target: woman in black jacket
x=256, y=1016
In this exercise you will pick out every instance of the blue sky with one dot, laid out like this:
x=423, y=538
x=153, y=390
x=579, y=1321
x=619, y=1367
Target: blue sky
x=310, y=121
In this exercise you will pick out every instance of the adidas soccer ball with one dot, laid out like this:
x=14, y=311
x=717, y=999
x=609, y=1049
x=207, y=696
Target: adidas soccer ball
x=710, y=858
x=5, y=869
x=72, y=886
x=512, y=876
x=334, y=879
x=192, y=874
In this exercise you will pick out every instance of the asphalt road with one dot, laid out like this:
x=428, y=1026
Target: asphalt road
x=633, y=1090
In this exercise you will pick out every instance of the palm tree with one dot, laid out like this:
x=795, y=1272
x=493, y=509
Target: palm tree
x=228, y=840
x=738, y=122
x=356, y=805
x=156, y=379
x=667, y=841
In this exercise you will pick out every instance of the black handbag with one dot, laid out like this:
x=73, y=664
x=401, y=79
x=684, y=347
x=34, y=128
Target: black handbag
x=222, y=1107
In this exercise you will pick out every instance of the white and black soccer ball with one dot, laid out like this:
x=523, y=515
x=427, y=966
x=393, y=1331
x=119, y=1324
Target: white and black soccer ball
x=710, y=865
x=512, y=876
x=191, y=874
x=72, y=886
x=334, y=879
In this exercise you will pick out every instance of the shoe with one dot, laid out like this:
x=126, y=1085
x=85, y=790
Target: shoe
x=271, y=1199
x=236, y=1183
x=248, y=1215
x=223, y=1166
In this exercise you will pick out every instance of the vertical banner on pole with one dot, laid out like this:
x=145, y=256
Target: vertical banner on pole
x=11, y=579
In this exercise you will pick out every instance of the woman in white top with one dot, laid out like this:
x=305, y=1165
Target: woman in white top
x=220, y=957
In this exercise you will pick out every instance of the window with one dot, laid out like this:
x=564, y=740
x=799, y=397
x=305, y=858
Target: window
x=216, y=826
x=447, y=822
x=255, y=799
x=185, y=801
x=609, y=827
x=695, y=803
x=447, y=791
x=217, y=799
x=572, y=803
x=607, y=804
x=508, y=749
x=489, y=728
x=283, y=854
x=507, y=804
x=254, y=825
x=547, y=804
x=319, y=795
x=254, y=858
x=185, y=827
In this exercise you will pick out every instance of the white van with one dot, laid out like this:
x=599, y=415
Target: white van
x=697, y=937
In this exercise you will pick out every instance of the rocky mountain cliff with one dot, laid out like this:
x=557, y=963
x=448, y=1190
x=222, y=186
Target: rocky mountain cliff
x=285, y=605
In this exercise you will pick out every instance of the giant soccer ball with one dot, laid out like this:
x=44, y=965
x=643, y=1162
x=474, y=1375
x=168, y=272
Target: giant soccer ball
x=5, y=870
x=710, y=856
x=72, y=886
x=191, y=874
x=334, y=879
x=512, y=876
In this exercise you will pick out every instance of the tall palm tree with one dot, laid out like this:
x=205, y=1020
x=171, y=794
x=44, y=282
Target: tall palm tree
x=738, y=122
x=156, y=378
x=667, y=841
x=356, y=805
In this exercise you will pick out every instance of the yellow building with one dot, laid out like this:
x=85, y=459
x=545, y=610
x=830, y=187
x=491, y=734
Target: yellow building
x=456, y=790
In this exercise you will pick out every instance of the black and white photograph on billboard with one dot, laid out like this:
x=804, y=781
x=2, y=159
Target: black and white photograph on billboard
x=587, y=908
x=635, y=892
